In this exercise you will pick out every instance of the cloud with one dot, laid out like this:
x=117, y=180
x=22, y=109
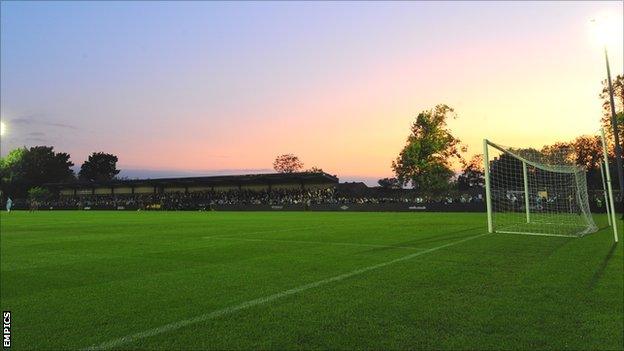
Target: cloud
x=36, y=134
x=166, y=173
x=39, y=140
x=31, y=121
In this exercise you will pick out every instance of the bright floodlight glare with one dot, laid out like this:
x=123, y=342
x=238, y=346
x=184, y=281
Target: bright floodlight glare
x=606, y=28
x=2, y=128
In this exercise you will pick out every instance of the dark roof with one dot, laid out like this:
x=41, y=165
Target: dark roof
x=352, y=186
x=268, y=178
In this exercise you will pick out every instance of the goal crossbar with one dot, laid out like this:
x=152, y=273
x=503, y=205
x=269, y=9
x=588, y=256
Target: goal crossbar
x=560, y=169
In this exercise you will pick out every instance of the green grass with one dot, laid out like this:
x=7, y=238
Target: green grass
x=564, y=224
x=76, y=279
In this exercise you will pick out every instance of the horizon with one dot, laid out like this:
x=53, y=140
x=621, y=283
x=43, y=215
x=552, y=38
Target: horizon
x=203, y=85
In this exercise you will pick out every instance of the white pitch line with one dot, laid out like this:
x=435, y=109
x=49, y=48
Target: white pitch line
x=312, y=242
x=538, y=234
x=259, y=301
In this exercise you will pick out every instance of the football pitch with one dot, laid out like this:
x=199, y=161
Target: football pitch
x=304, y=280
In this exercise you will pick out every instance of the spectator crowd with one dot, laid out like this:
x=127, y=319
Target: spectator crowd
x=206, y=200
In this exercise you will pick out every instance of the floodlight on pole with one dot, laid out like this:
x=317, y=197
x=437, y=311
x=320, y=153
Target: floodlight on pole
x=614, y=125
x=607, y=27
x=2, y=128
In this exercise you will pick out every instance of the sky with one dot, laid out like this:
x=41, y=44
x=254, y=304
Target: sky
x=181, y=88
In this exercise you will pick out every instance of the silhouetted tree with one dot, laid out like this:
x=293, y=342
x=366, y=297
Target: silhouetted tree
x=618, y=97
x=504, y=169
x=588, y=151
x=389, y=183
x=99, y=167
x=287, y=163
x=314, y=169
x=473, y=175
x=559, y=153
x=38, y=193
x=585, y=151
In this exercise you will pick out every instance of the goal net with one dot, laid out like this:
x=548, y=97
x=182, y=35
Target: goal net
x=539, y=192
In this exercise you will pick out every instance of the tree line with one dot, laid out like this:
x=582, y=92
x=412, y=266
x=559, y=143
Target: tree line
x=24, y=171
x=426, y=160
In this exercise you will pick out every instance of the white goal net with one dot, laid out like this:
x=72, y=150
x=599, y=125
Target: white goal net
x=536, y=192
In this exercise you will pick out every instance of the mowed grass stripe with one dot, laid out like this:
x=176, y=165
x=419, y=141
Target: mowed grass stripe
x=186, y=322
x=315, y=242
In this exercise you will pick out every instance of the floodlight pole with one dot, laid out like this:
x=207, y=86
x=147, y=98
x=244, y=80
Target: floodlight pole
x=616, y=137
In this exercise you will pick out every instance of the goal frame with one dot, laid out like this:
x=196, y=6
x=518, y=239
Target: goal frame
x=607, y=187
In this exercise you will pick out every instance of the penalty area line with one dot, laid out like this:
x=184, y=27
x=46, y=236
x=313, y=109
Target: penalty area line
x=262, y=300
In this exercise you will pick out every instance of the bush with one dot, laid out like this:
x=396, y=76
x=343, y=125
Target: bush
x=38, y=193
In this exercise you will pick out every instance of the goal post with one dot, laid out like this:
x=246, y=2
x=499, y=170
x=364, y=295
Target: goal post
x=535, y=192
x=605, y=193
x=526, y=191
x=608, y=192
x=488, y=196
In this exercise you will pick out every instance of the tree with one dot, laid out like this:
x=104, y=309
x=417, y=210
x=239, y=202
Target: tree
x=389, y=183
x=9, y=171
x=504, y=168
x=38, y=193
x=588, y=151
x=618, y=96
x=40, y=164
x=425, y=161
x=314, y=169
x=473, y=175
x=585, y=151
x=559, y=153
x=99, y=167
x=287, y=163
x=25, y=168
x=8, y=164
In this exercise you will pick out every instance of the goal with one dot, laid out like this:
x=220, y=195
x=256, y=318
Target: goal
x=538, y=192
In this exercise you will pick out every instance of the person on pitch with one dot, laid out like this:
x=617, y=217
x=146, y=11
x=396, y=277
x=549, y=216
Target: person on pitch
x=9, y=204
